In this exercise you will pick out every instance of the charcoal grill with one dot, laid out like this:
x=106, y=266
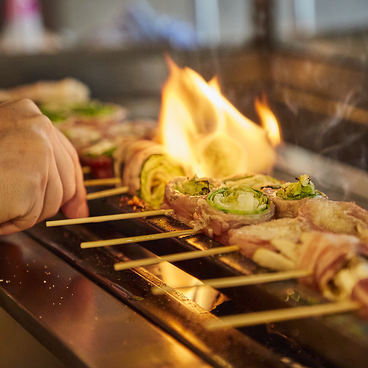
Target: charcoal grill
x=88, y=315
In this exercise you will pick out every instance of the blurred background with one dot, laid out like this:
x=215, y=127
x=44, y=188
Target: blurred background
x=309, y=57
x=117, y=47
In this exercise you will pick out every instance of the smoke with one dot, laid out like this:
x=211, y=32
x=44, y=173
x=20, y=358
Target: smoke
x=334, y=132
x=338, y=136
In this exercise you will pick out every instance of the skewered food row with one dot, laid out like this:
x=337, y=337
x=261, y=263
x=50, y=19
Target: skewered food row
x=281, y=226
x=93, y=127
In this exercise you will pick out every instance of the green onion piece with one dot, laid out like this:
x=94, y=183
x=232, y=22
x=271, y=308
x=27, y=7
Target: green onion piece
x=92, y=108
x=194, y=187
x=239, y=200
x=303, y=188
x=54, y=116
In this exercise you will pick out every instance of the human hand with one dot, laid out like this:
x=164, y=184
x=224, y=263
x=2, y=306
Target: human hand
x=39, y=169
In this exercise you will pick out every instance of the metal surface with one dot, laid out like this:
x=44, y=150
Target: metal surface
x=173, y=312
x=80, y=323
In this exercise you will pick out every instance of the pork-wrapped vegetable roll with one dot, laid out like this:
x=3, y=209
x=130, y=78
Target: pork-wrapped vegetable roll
x=147, y=169
x=182, y=195
x=271, y=244
x=336, y=217
x=291, y=196
x=256, y=181
x=156, y=172
x=232, y=207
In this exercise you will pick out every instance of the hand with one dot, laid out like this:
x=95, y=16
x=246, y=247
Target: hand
x=39, y=169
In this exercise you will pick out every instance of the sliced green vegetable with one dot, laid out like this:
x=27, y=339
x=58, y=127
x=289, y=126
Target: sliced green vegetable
x=156, y=172
x=194, y=187
x=55, y=116
x=239, y=200
x=88, y=109
x=303, y=188
x=92, y=108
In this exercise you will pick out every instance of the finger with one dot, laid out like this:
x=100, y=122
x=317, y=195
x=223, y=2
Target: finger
x=53, y=196
x=9, y=227
x=76, y=206
x=27, y=217
x=22, y=108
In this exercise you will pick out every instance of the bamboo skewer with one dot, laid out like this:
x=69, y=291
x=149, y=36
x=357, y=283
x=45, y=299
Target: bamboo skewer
x=175, y=257
x=227, y=282
x=284, y=314
x=107, y=193
x=119, y=216
x=134, y=239
x=105, y=181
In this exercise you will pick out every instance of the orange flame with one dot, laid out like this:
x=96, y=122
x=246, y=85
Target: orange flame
x=268, y=120
x=201, y=128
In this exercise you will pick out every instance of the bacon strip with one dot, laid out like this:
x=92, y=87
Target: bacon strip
x=250, y=238
x=217, y=223
x=334, y=216
x=325, y=254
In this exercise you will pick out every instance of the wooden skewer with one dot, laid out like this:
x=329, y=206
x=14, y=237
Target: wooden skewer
x=227, y=282
x=105, y=181
x=119, y=216
x=135, y=239
x=175, y=257
x=107, y=193
x=284, y=314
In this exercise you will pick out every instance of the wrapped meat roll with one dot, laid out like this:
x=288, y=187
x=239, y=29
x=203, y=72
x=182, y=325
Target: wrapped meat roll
x=92, y=127
x=336, y=217
x=67, y=90
x=147, y=168
x=182, y=195
x=99, y=156
x=339, y=270
x=325, y=254
x=256, y=181
x=232, y=207
x=271, y=244
x=291, y=196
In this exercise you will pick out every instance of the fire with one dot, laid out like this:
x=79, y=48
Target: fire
x=269, y=121
x=201, y=128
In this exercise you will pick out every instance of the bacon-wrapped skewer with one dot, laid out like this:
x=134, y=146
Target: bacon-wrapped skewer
x=67, y=90
x=182, y=195
x=271, y=244
x=339, y=270
x=147, y=170
x=232, y=207
x=291, y=196
x=256, y=181
x=336, y=217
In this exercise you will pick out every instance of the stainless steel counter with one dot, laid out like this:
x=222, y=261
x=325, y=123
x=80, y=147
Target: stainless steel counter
x=81, y=324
